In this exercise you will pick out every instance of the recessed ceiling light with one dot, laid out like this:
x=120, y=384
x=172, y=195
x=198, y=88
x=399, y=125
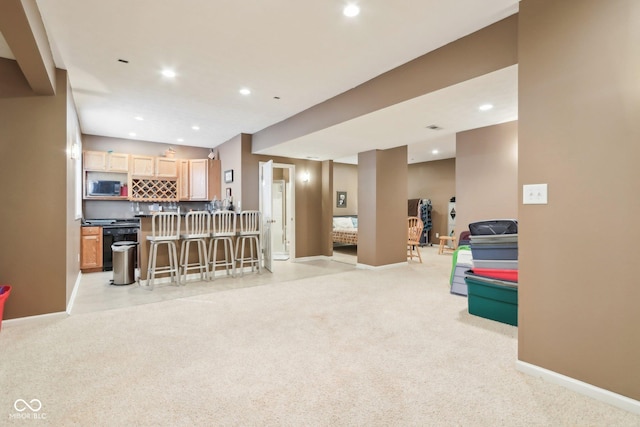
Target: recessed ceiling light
x=245, y=91
x=132, y=134
x=168, y=73
x=434, y=151
x=180, y=139
x=485, y=107
x=139, y=118
x=351, y=10
x=195, y=127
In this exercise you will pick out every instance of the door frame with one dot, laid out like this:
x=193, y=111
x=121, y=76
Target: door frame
x=291, y=204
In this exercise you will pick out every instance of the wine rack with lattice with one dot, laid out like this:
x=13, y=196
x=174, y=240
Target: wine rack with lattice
x=157, y=190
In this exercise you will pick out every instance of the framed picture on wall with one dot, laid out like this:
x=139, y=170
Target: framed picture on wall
x=228, y=193
x=228, y=176
x=341, y=199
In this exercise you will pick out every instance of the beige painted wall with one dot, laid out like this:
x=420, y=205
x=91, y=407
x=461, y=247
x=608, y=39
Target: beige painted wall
x=436, y=181
x=74, y=203
x=145, y=148
x=578, y=132
x=382, y=219
x=486, y=174
x=230, y=155
x=311, y=198
x=345, y=178
x=34, y=210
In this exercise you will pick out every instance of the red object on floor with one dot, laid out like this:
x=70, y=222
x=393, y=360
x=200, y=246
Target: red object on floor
x=495, y=273
x=5, y=290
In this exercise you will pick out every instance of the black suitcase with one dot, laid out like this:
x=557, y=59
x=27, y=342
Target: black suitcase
x=494, y=226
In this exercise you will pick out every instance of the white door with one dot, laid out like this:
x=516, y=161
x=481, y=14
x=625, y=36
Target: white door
x=266, y=203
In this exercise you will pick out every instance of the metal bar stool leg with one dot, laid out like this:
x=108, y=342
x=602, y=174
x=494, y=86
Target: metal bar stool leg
x=151, y=265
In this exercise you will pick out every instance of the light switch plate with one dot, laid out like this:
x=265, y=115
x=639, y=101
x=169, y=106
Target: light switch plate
x=534, y=194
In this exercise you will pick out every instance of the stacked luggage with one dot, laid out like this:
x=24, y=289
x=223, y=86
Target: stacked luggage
x=492, y=283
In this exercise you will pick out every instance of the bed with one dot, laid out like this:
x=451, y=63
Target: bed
x=345, y=230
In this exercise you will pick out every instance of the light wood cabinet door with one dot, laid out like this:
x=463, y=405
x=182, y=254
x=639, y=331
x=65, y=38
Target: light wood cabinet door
x=142, y=165
x=118, y=162
x=204, y=179
x=166, y=168
x=183, y=180
x=91, y=248
x=94, y=160
x=198, y=176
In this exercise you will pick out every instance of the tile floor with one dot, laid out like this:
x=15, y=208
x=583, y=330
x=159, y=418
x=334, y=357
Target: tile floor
x=95, y=293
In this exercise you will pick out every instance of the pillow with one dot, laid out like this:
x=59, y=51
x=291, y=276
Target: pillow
x=342, y=222
x=354, y=220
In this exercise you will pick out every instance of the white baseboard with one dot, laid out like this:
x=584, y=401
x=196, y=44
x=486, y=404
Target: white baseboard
x=380, y=267
x=60, y=314
x=586, y=389
x=74, y=292
x=312, y=258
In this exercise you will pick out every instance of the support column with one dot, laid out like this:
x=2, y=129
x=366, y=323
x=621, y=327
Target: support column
x=382, y=207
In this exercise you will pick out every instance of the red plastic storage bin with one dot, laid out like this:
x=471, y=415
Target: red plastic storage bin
x=5, y=290
x=495, y=273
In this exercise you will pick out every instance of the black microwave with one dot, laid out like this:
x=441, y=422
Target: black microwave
x=104, y=188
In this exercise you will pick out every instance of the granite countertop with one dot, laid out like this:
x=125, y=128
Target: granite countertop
x=149, y=215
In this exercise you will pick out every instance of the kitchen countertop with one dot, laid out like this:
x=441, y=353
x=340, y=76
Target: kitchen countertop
x=111, y=222
x=149, y=215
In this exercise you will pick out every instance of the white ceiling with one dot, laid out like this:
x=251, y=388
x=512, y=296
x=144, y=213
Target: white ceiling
x=302, y=51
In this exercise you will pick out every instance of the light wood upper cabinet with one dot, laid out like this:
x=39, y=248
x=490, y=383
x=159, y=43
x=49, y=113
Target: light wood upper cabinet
x=118, y=162
x=154, y=178
x=183, y=179
x=198, y=175
x=166, y=167
x=142, y=165
x=94, y=160
x=204, y=179
x=102, y=161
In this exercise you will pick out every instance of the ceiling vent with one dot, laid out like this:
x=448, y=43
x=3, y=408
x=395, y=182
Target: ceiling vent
x=434, y=127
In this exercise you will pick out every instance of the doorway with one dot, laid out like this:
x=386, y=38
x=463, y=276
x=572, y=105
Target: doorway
x=279, y=230
x=279, y=227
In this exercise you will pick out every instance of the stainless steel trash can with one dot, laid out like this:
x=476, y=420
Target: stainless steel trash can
x=124, y=253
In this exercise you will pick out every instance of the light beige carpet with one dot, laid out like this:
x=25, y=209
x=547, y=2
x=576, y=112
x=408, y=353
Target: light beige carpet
x=364, y=348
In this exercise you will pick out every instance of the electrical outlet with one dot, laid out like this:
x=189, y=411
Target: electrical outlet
x=437, y=235
x=534, y=194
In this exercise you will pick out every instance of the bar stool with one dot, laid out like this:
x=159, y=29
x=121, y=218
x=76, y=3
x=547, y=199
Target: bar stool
x=197, y=228
x=165, y=230
x=223, y=230
x=250, y=230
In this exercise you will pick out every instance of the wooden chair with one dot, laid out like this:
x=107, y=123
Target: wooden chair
x=414, y=229
x=443, y=242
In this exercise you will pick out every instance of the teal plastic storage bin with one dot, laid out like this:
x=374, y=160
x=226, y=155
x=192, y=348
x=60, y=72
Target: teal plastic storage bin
x=492, y=299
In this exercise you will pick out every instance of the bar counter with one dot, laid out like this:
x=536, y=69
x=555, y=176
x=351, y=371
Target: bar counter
x=163, y=258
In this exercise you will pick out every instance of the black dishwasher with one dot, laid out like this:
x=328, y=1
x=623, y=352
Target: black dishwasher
x=116, y=230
